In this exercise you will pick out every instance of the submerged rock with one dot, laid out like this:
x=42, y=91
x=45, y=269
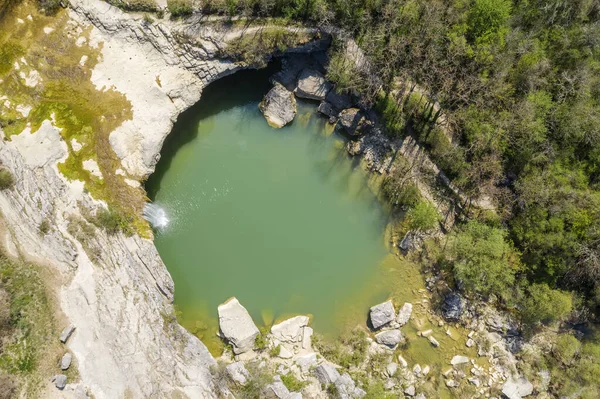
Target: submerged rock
x=404, y=314
x=237, y=326
x=290, y=330
x=517, y=389
x=456, y=360
x=312, y=85
x=278, y=106
x=390, y=338
x=452, y=307
x=382, y=314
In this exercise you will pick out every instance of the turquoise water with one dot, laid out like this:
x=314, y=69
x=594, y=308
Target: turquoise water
x=282, y=219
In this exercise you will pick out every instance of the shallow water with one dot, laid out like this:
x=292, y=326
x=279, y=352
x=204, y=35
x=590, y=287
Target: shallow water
x=282, y=219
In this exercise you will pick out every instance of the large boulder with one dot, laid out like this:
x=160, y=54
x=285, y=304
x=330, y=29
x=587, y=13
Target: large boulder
x=346, y=388
x=278, y=106
x=312, y=85
x=452, y=307
x=327, y=373
x=517, y=389
x=237, y=326
x=389, y=338
x=404, y=314
x=382, y=314
x=290, y=330
x=353, y=122
x=238, y=373
x=338, y=100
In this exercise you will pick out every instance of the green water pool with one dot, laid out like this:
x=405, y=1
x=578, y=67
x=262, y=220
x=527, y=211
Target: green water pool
x=282, y=219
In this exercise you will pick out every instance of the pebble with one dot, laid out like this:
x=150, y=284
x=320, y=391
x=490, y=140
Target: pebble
x=470, y=343
x=402, y=362
x=456, y=360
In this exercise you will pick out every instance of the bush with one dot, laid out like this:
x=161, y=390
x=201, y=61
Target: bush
x=565, y=348
x=484, y=261
x=6, y=179
x=179, y=8
x=292, y=383
x=545, y=305
x=135, y=5
x=113, y=221
x=44, y=227
x=424, y=216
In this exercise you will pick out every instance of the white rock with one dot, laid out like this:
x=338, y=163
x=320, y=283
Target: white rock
x=417, y=369
x=32, y=79
x=474, y=381
x=426, y=370
x=470, y=343
x=390, y=338
x=456, y=360
x=410, y=391
x=404, y=314
x=48, y=30
x=66, y=333
x=237, y=326
x=517, y=389
x=402, y=362
x=327, y=373
x=83, y=60
x=306, y=337
x=92, y=166
x=65, y=362
x=382, y=314
x=238, y=373
x=426, y=333
x=433, y=341
x=60, y=381
x=391, y=369
x=75, y=145
x=451, y=384
x=305, y=362
x=285, y=353
x=278, y=390
x=290, y=330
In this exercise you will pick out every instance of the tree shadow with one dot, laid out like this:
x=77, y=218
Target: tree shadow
x=241, y=88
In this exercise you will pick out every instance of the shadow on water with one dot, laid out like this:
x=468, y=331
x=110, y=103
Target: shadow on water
x=241, y=88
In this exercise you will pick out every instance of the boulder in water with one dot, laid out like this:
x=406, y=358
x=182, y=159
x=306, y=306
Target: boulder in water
x=237, y=326
x=390, y=338
x=312, y=85
x=382, y=314
x=278, y=106
x=404, y=314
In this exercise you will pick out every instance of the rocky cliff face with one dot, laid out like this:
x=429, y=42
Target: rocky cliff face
x=127, y=342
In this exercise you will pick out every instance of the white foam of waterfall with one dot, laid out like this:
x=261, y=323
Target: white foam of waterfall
x=156, y=216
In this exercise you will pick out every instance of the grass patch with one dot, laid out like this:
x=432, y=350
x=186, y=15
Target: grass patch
x=135, y=5
x=66, y=95
x=179, y=8
x=27, y=328
x=292, y=383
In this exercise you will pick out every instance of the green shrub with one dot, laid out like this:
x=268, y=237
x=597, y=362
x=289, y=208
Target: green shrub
x=275, y=351
x=113, y=221
x=179, y=8
x=484, y=261
x=423, y=216
x=44, y=227
x=545, y=305
x=6, y=179
x=135, y=5
x=565, y=348
x=292, y=383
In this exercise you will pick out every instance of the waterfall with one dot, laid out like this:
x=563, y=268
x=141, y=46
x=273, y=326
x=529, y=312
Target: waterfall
x=155, y=215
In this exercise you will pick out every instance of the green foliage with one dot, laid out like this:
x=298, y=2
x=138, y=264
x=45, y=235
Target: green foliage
x=545, y=305
x=292, y=383
x=180, y=8
x=275, y=351
x=261, y=342
x=135, y=5
x=349, y=350
x=44, y=227
x=342, y=70
x=113, y=221
x=483, y=260
x=423, y=216
x=6, y=179
x=487, y=18
x=565, y=348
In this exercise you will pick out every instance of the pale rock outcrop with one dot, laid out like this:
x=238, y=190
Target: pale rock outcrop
x=237, y=326
x=312, y=85
x=238, y=373
x=382, y=314
x=305, y=362
x=389, y=338
x=458, y=359
x=404, y=314
x=327, y=373
x=517, y=388
x=353, y=122
x=278, y=106
x=290, y=330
